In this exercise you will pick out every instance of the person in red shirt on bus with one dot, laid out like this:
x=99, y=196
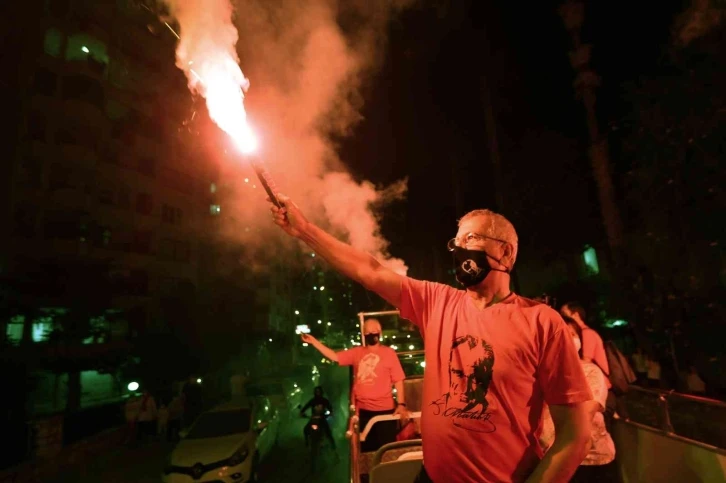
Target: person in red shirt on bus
x=493, y=358
x=376, y=369
x=593, y=349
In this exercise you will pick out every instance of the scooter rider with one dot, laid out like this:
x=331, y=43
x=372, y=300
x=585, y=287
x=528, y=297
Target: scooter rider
x=321, y=407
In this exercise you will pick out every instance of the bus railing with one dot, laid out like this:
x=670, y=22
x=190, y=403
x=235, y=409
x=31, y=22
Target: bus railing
x=353, y=435
x=694, y=418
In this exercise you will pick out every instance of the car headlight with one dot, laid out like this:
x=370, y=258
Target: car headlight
x=238, y=457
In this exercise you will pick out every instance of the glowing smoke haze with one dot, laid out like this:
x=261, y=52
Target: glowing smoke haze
x=698, y=20
x=306, y=75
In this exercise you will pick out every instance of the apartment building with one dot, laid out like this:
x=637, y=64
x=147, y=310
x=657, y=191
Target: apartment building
x=105, y=167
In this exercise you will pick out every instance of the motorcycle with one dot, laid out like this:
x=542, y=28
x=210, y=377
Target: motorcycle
x=316, y=433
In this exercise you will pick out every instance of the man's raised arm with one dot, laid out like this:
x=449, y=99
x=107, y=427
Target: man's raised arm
x=322, y=348
x=351, y=262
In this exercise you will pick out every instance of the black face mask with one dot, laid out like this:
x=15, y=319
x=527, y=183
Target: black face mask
x=472, y=266
x=372, y=339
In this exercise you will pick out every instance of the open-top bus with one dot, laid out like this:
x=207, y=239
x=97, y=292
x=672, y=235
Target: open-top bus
x=667, y=436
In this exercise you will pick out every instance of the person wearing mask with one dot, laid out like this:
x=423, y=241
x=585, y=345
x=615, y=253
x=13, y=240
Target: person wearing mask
x=599, y=464
x=493, y=358
x=321, y=408
x=593, y=349
x=376, y=370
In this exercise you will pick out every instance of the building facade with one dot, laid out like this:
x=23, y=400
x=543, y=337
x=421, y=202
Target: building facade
x=103, y=166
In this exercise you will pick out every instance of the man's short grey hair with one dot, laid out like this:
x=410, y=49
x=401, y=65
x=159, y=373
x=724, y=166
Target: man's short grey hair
x=496, y=226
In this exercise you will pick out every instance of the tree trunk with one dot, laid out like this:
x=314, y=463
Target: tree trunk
x=586, y=81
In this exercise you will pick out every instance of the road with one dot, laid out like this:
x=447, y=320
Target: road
x=288, y=463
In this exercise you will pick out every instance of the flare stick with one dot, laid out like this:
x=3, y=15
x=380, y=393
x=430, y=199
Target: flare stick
x=267, y=182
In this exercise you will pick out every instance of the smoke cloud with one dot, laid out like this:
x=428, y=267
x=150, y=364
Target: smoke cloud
x=699, y=20
x=307, y=63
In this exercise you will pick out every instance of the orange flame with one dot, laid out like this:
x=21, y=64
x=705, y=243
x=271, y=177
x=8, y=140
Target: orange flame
x=206, y=53
x=221, y=81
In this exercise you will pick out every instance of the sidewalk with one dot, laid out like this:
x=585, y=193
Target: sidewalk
x=142, y=464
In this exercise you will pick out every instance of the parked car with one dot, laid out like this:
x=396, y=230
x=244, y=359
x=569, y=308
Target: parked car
x=225, y=444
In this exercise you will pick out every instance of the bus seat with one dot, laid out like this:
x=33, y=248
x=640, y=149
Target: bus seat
x=401, y=471
x=411, y=455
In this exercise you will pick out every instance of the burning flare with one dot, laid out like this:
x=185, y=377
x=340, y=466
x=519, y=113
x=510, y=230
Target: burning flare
x=207, y=55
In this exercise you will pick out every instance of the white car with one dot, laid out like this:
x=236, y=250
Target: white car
x=225, y=444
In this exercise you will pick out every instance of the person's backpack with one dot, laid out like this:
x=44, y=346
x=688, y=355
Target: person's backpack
x=621, y=373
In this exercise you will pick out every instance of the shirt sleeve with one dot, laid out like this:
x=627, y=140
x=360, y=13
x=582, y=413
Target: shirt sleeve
x=305, y=408
x=347, y=357
x=418, y=299
x=560, y=374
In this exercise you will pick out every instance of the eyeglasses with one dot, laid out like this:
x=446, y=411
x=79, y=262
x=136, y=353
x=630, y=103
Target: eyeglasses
x=470, y=239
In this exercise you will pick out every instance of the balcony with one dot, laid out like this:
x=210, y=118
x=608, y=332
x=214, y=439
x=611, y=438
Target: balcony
x=91, y=68
x=89, y=116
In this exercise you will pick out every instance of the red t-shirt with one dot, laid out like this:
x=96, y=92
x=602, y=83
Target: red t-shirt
x=375, y=371
x=488, y=373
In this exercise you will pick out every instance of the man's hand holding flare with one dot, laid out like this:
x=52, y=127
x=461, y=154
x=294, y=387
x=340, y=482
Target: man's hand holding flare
x=288, y=217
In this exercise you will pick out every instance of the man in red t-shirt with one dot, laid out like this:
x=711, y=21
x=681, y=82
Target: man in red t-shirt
x=493, y=358
x=376, y=369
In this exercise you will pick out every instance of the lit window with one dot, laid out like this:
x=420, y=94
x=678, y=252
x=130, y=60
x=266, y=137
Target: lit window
x=83, y=47
x=14, y=329
x=589, y=256
x=41, y=329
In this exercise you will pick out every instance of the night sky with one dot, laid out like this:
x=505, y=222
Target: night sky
x=424, y=119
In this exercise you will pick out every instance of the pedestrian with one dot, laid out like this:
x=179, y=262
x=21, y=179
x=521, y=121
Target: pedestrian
x=132, y=408
x=176, y=412
x=147, y=416
x=162, y=421
x=493, y=358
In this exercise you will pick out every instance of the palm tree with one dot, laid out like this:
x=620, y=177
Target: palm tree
x=586, y=82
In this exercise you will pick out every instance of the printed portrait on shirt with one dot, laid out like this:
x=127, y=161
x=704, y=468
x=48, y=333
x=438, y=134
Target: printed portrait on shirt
x=367, y=368
x=471, y=366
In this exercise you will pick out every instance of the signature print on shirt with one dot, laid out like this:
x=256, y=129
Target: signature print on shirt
x=471, y=365
x=367, y=368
